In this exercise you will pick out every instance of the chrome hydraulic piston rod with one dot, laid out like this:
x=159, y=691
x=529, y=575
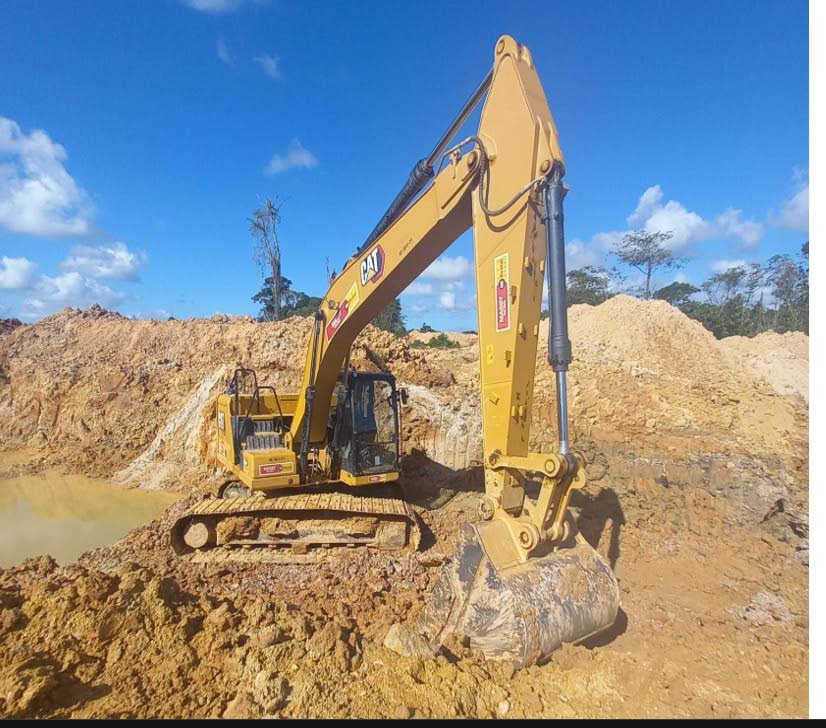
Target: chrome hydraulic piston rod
x=559, y=345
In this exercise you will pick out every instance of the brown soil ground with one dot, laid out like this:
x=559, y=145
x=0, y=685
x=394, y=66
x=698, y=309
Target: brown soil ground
x=697, y=494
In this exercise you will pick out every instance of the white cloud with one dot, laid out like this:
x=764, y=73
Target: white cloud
x=418, y=307
x=296, y=156
x=448, y=269
x=721, y=266
x=418, y=288
x=269, y=65
x=37, y=195
x=794, y=213
x=67, y=289
x=458, y=285
x=688, y=227
x=112, y=261
x=447, y=300
x=649, y=201
x=154, y=314
x=607, y=240
x=579, y=254
x=214, y=6
x=16, y=274
x=731, y=225
x=223, y=53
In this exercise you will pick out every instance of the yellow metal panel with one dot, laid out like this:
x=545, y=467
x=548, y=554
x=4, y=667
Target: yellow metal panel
x=519, y=134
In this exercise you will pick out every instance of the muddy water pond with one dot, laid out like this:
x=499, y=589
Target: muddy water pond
x=65, y=515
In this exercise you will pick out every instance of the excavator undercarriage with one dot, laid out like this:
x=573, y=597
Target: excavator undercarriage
x=294, y=528
x=317, y=470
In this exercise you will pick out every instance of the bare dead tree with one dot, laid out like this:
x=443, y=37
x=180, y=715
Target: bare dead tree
x=331, y=273
x=264, y=225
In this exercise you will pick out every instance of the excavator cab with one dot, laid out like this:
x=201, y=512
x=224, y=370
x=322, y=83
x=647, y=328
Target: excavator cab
x=365, y=442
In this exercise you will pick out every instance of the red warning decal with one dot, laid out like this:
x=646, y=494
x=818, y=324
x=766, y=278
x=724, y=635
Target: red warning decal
x=345, y=308
x=503, y=301
x=271, y=469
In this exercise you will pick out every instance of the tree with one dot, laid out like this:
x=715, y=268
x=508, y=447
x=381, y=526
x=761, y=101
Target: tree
x=646, y=251
x=425, y=329
x=589, y=285
x=292, y=303
x=723, y=287
x=440, y=341
x=391, y=319
x=748, y=299
x=789, y=283
x=264, y=225
x=677, y=294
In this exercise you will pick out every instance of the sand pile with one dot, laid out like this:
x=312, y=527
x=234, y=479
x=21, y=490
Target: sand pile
x=781, y=359
x=425, y=338
x=649, y=376
x=646, y=378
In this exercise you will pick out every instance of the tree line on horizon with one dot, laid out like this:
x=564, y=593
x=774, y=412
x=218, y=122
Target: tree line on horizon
x=741, y=301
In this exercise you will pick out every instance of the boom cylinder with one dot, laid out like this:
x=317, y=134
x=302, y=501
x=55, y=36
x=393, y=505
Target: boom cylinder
x=423, y=171
x=559, y=345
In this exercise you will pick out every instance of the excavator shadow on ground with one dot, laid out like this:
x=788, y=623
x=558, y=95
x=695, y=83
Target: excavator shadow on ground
x=431, y=485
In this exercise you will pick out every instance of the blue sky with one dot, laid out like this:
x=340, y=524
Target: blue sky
x=136, y=137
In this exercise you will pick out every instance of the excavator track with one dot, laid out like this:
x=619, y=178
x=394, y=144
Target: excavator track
x=293, y=528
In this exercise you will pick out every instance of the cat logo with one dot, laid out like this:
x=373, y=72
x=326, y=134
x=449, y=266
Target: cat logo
x=372, y=266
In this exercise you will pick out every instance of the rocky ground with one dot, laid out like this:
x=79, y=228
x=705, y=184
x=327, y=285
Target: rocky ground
x=698, y=492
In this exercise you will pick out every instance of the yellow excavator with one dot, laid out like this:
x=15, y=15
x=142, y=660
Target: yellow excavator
x=317, y=470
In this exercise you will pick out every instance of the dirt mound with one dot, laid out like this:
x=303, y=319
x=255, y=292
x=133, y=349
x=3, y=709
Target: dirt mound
x=781, y=359
x=104, y=394
x=645, y=378
x=648, y=375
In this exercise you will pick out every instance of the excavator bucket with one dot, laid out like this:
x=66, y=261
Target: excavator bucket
x=523, y=613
